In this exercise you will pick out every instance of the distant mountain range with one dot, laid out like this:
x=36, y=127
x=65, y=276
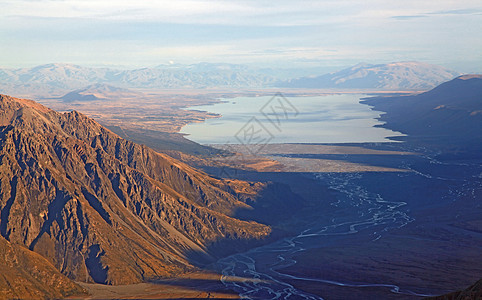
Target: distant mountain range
x=59, y=79
x=393, y=76
x=52, y=79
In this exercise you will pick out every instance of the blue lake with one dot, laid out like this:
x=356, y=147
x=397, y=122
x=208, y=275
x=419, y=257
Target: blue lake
x=337, y=118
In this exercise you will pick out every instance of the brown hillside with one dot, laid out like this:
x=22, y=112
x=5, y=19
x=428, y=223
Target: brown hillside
x=25, y=274
x=103, y=209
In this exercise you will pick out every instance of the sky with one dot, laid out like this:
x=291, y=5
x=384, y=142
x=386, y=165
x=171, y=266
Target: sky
x=283, y=34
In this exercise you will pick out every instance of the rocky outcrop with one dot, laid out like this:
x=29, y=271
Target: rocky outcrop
x=26, y=274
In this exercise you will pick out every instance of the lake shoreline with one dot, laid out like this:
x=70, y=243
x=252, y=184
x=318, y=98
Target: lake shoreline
x=329, y=119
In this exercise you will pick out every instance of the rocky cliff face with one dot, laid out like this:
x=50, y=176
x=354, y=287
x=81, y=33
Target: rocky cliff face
x=103, y=209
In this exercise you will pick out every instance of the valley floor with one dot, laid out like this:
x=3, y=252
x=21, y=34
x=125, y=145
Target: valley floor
x=390, y=221
x=188, y=286
x=382, y=221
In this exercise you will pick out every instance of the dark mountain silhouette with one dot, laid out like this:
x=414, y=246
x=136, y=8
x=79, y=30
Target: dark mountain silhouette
x=392, y=76
x=448, y=121
x=102, y=209
x=472, y=292
x=448, y=114
x=100, y=91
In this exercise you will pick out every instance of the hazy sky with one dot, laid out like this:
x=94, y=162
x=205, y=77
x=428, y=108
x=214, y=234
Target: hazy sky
x=281, y=33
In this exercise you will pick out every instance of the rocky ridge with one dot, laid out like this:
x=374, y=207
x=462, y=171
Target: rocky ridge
x=102, y=209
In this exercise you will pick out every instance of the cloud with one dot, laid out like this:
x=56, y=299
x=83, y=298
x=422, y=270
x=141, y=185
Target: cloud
x=455, y=12
x=408, y=17
x=119, y=9
x=149, y=31
x=242, y=13
x=468, y=11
